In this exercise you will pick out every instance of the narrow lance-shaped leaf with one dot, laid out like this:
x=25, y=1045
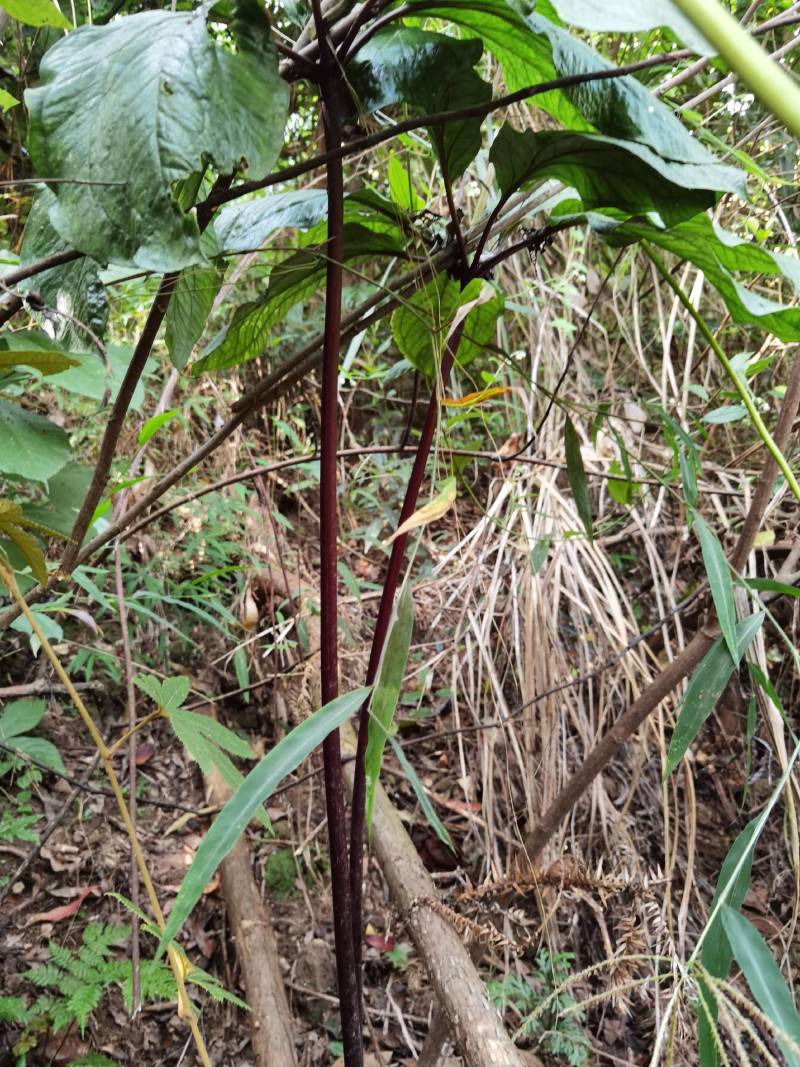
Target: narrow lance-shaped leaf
x=719, y=580
x=45, y=362
x=387, y=693
x=255, y=790
x=766, y=982
x=419, y=790
x=577, y=476
x=717, y=954
x=706, y=686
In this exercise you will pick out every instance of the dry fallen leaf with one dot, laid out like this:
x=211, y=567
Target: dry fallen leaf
x=429, y=512
x=66, y=911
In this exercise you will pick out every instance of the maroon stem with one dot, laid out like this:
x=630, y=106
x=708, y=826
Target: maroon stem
x=390, y=584
x=348, y=983
x=108, y=445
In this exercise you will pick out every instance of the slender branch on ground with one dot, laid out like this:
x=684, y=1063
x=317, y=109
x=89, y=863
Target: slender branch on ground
x=136, y=985
x=686, y=661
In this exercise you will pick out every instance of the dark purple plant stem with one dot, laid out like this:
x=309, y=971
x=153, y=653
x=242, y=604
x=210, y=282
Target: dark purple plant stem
x=390, y=584
x=348, y=983
x=108, y=445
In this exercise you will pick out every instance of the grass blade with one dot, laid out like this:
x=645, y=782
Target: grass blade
x=717, y=953
x=254, y=790
x=387, y=693
x=577, y=476
x=706, y=687
x=719, y=579
x=766, y=982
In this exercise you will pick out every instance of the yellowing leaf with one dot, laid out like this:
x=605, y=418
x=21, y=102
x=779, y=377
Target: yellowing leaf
x=430, y=512
x=764, y=538
x=476, y=398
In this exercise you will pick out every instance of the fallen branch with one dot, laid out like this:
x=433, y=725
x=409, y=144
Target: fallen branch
x=460, y=991
x=256, y=950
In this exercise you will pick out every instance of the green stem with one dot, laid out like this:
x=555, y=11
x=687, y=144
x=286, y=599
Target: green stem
x=738, y=383
x=776, y=89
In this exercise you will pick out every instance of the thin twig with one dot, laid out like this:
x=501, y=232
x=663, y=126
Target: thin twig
x=136, y=994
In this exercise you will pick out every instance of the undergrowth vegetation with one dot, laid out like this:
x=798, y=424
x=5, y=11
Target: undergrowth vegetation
x=430, y=368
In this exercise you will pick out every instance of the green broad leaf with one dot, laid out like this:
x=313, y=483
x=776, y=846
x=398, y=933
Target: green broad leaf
x=7, y=101
x=718, y=253
x=717, y=954
x=94, y=379
x=244, y=225
x=44, y=362
x=20, y=716
x=576, y=473
x=387, y=692
x=73, y=287
x=720, y=582
x=40, y=750
x=152, y=426
x=141, y=104
x=37, y=13
x=188, y=311
x=293, y=280
x=401, y=187
x=150, y=685
x=525, y=55
x=58, y=509
x=766, y=982
x=430, y=72
x=174, y=691
x=721, y=416
x=533, y=49
x=254, y=791
x=623, y=108
x=421, y=325
x=428, y=809
x=706, y=686
x=214, y=731
x=33, y=446
x=603, y=16
x=605, y=172
x=769, y=585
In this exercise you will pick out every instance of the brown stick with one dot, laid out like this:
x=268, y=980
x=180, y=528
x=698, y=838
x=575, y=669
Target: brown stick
x=256, y=950
x=681, y=667
x=459, y=989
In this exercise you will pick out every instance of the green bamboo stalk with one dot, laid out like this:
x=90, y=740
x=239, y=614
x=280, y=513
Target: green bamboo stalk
x=773, y=86
x=738, y=383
